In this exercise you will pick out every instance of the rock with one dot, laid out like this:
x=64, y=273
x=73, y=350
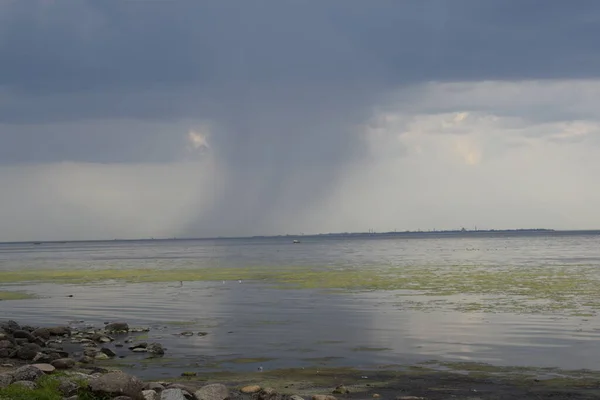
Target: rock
x=45, y=368
x=7, y=365
x=156, y=348
x=108, y=352
x=63, y=363
x=296, y=397
x=116, y=384
x=74, y=397
x=54, y=345
x=27, y=373
x=376, y=396
x=410, y=398
x=117, y=327
x=3, y=336
x=27, y=328
x=323, y=397
x=187, y=333
x=216, y=391
x=157, y=387
x=101, y=357
x=21, y=334
x=139, y=350
x=67, y=387
x=10, y=326
x=60, y=331
x=341, y=389
x=43, y=333
x=6, y=344
x=172, y=394
x=250, y=389
x=6, y=353
x=21, y=341
x=189, y=374
x=202, y=333
x=150, y=395
x=25, y=384
x=28, y=351
x=122, y=398
x=86, y=360
x=90, y=351
x=267, y=394
x=5, y=380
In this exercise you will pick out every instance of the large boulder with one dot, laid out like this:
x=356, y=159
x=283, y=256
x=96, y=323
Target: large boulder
x=216, y=391
x=27, y=373
x=28, y=351
x=117, y=384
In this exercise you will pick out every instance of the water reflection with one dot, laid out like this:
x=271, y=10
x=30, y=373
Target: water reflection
x=249, y=324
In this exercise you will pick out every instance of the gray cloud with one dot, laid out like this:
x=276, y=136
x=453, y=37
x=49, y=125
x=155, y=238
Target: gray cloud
x=285, y=85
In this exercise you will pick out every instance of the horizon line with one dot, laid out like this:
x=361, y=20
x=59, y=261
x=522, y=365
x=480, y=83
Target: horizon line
x=370, y=232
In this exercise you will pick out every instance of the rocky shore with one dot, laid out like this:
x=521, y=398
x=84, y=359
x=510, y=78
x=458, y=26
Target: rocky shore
x=59, y=363
x=62, y=362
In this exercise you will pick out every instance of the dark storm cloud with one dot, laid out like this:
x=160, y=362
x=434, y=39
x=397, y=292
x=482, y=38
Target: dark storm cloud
x=284, y=84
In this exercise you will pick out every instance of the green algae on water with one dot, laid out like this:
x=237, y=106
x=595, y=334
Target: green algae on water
x=9, y=295
x=548, y=289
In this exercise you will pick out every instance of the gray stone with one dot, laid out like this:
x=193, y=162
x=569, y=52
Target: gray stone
x=216, y=391
x=6, y=344
x=156, y=348
x=122, y=398
x=172, y=394
x=296, y=397
x=25, y=384
x=28, y=351
x=67, y=387
x=116, y=384
x=63, y=363
x=10, y=326
x=117, y=327
x=43, y=333
x=5, y=380
x=157, y=387
x=27, y=373
x=150, y=395
x=21, y=334
x=74, y=397
x=45, y=368
x=60, y=331
x=108, y=352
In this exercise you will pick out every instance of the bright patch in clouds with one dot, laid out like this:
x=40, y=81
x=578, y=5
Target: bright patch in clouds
x=198, y=140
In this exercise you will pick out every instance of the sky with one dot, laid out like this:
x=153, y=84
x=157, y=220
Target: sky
x=138, y=119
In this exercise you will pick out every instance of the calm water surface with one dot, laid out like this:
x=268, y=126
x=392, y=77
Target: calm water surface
x=300, y=327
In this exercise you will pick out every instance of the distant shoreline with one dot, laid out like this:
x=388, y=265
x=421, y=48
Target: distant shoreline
x=343, y=235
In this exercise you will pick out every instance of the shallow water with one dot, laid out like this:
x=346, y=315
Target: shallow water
x=251, y=324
